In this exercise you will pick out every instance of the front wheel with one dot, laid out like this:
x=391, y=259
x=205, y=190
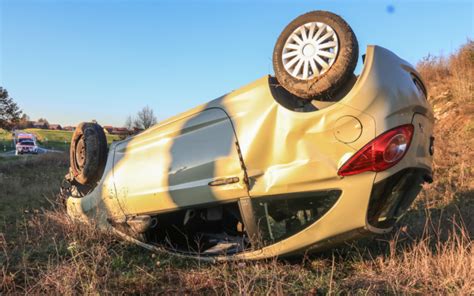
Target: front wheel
x=315, y=55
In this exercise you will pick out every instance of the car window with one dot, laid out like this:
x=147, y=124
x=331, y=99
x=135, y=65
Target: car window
x=279, y=217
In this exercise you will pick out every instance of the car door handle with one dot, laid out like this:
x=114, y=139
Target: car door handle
x=224, y=181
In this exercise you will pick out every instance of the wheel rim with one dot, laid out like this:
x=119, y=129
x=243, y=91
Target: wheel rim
x=80, y=155
x=310, y=50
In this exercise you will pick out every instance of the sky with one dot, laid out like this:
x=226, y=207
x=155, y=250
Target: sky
x=71, y=61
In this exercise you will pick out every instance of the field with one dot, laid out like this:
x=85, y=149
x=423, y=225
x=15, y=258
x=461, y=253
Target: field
x=6, y=143
x=431, y=252
x=49, y=139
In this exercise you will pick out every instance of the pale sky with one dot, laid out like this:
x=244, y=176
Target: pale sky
x=71, y=61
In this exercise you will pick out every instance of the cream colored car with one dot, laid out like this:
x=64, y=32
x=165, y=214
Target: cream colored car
x=264, y=171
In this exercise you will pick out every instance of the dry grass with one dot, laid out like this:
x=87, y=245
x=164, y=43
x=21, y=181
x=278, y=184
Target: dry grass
x=429, y=265
x=453, y=74
x=451, y=92
x=43, y=252
x=55, y=255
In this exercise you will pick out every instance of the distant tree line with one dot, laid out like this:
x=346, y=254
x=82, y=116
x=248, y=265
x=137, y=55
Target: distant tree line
x=12, y=117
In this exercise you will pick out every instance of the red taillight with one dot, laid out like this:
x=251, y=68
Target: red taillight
x=381, y=153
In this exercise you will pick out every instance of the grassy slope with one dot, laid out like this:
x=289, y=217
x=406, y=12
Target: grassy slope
x=6, y=143
x=59, y=139
x=50, y=139
x=431, y=252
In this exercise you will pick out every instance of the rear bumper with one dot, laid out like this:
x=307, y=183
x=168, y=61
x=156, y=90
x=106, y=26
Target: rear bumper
x=391, y=197
x=361, y=210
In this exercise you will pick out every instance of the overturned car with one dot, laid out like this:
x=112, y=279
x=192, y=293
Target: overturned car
x=288, y=164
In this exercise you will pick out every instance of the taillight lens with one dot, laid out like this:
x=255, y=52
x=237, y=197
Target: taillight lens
x=382, y=153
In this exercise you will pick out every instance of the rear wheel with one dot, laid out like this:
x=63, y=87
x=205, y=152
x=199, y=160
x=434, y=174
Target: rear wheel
x=315, y=55
x=88, y=153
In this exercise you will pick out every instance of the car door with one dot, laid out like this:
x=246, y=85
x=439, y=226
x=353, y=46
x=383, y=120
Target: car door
x=187, y=162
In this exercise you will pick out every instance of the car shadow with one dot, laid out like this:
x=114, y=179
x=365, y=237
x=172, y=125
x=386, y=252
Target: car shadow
x=194, y=152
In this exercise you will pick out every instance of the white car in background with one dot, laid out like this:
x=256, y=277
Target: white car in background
x=25, y=143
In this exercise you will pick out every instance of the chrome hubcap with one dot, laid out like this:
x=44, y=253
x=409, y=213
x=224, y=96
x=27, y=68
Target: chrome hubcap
x=310, y=50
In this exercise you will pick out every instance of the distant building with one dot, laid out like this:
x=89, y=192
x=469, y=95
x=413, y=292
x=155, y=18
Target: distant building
x=69, y=128
x=38, y=124
x=108, y=128
x=56, y=127
x=120, y=131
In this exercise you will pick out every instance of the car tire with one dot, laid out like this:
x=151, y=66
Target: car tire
x=88, y=153
x=316, y=67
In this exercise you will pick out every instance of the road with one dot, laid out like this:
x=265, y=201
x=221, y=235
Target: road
x=41, y=150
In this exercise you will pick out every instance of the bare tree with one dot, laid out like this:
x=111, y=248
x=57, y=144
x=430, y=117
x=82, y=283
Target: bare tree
x=145, y=118
x=129, y=122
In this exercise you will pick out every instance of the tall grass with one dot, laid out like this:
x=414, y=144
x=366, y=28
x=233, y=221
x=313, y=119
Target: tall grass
x=55, y=255
x=450, y=82
x=452, y=75
x=426, y=265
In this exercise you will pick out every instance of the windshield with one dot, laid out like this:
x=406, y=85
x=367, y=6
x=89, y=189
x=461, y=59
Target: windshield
x=21, y=140
x=27, y=143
